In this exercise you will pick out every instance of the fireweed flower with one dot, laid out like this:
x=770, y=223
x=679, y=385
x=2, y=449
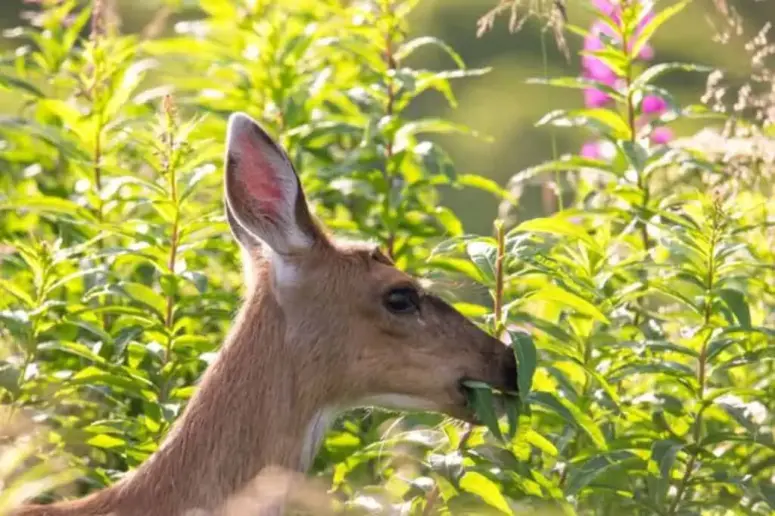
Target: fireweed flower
x=653, y=105
x=595, y=69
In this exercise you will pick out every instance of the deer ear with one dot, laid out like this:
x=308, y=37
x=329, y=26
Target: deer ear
x=263, y=193
x=246, y=239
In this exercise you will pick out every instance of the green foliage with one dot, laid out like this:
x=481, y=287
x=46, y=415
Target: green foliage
x=641, y=316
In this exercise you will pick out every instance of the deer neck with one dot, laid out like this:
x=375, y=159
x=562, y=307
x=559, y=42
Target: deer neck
x=252, y=411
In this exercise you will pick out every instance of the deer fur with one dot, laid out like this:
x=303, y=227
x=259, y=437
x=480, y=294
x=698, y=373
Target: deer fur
x=322, y=329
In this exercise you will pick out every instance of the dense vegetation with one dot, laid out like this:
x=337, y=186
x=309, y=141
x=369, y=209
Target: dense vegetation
x=642, y=313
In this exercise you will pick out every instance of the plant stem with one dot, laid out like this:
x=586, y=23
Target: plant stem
x=390, y=61
x=170, y=172
x=498, y=327
x=98, y=168
x=701, y=365
x=641, y=179
x=553, y=135
x=499, y=273
x=171, y=263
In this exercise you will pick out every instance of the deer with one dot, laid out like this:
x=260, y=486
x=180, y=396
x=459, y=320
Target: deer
x=324, y=326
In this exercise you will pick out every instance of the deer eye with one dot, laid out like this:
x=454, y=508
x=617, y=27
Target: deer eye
x=404, y=300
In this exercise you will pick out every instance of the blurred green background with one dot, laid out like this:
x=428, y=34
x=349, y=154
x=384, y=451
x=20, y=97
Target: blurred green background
x=501, y=104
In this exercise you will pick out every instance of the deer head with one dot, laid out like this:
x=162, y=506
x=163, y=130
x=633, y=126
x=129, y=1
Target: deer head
x=325, y=326
x=364, y=332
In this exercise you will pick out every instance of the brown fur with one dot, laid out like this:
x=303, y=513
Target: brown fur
x=323, y=340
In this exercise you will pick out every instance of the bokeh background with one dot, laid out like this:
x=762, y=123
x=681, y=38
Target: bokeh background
x=501, y=105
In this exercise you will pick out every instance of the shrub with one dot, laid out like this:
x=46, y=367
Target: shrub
x=642, y=315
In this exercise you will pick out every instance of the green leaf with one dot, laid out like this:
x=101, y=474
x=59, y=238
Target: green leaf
x=571, y=414
x=657, y=70
x=483, y=254
x=541, y=442
x=483, y=183
x=74, y=348
x=555, y=294
x=13, y=83
x=17, y=292
x=635, y=153
x=471, y=310
x=759, y=356
x=612, y=56
x=581, y=83
x=607, y=122
x=512, y=404
x=668, y=368
x=145, y=295
x=486, y=489
x=527, y=358
x=428, y=125
x=449, y=220
x=106, y=441
x=583, y=475
x=659, y=19
x=735, y=301
x=557, y=226
x=663, y=455
x=567, y=163
x=410, y=46
x=130, y=384
x=130, y=80
x=481, y=399
x=458, y=265
x=49, y=204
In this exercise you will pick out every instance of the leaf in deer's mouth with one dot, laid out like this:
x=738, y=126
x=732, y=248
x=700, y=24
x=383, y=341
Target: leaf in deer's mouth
x=486, y=403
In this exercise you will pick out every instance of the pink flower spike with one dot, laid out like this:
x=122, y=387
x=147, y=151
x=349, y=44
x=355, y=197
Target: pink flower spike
x=646, y=52
x=645, y=19
x=604, y=6
x=661, y=135
x=597, y=70
x=591, y=150
x=653, y=105
x=595, y=98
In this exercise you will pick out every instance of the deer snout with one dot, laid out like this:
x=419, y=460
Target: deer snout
x=503, y=375
x=509, y=372
x=497, y=368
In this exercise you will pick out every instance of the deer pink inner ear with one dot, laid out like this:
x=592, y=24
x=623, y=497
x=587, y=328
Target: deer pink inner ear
x=258, y=176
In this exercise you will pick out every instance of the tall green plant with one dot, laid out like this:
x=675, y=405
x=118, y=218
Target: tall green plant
x=641, y=315
x=650, y=303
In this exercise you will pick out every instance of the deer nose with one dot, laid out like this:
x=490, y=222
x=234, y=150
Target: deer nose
x=509, y=372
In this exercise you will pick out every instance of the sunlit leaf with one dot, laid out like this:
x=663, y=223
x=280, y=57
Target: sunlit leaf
x=527, y=358
x=736, y=302
x=486, y=489
x=660, y=18
x=583, y=475
x=558, y=295
x=482, y=401
x=571, y=414
x=483, y=255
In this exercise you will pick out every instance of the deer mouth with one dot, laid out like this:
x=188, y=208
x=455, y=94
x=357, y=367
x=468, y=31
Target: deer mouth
x=468, y=388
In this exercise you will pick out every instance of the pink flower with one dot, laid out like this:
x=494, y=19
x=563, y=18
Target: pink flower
x=595, y=98
x=612, y=11
x=596, y=69
x=607, y=8
x=653, y=105
x=646, y=52
x=591, y=150
x=661, y=135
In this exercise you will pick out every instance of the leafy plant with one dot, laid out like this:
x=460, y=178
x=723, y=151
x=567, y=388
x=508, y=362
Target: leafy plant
x=641, y=315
